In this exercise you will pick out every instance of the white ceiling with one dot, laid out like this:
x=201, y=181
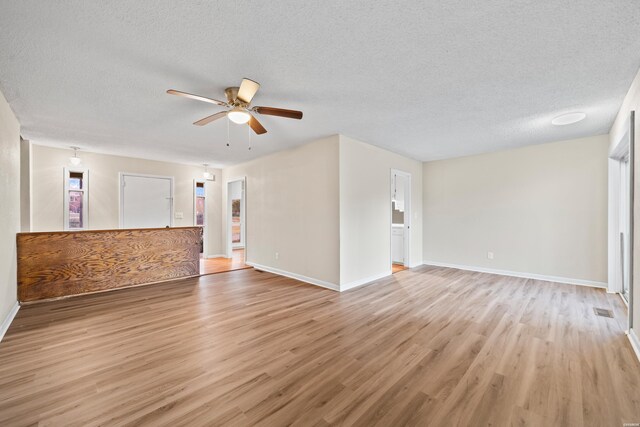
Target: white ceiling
x=428, y=79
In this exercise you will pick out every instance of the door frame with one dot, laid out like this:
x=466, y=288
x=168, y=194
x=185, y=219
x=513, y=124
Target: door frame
x=121, y=176
x=624, y=148
x=243, y=216
x=407, y=217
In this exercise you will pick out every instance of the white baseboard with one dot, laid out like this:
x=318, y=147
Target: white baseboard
x=296, y=276
x=216, y=256
x=356, y=283
x=635, y=342
x=556, y=279
x=7, y=321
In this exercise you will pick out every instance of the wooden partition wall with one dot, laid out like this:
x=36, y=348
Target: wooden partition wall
x=59, y=264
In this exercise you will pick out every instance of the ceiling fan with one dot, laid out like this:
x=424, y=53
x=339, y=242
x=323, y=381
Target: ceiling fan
x=239, y=106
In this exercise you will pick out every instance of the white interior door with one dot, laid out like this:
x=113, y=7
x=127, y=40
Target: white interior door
x=146, y=201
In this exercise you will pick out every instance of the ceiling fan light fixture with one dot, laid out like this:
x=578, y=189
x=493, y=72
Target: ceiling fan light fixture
x=239, y=116
x=238, y=107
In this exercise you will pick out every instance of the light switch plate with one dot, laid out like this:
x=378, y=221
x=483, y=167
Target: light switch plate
x=179, y=215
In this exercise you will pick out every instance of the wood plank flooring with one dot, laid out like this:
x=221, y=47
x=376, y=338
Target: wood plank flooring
x=426, y=346
x=220, y=265
x=397, y=267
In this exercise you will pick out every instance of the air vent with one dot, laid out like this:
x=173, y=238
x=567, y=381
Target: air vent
x=603, y=312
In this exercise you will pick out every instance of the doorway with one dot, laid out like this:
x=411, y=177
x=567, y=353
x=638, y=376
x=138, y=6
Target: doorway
x=400, y=222
x=146, y=201
x=236, y=228
x=233, y=257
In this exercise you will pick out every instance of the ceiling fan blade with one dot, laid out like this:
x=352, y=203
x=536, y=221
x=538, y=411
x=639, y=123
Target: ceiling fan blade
x=211, y=118
x=248, y=89
x=256, y=126
x=280, y=112
x=197, y=97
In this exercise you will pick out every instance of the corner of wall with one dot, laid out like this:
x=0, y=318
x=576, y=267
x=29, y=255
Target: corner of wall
x=10, y=214
x=6, y=322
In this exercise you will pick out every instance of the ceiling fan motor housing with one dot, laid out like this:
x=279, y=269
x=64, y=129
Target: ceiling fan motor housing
x=232, y=97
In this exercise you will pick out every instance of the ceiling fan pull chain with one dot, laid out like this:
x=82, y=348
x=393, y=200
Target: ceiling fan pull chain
x=249, y=139
x=228, y=132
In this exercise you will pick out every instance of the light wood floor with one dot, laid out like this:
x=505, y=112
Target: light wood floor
x=427, y=346
x=397, y=267
x=220, y=265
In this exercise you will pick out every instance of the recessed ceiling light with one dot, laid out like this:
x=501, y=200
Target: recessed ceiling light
x=567, y=119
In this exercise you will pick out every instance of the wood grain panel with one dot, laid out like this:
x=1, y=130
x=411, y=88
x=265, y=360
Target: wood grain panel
x=59, y=264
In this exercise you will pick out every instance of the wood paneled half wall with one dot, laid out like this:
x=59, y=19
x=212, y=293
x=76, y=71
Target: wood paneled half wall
x=60, y=264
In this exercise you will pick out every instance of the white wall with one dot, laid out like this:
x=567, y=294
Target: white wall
x=632, y=103
x=292, y=209
x=104, y=190
x=365, y=210
x=10, y=212
x=540, y=209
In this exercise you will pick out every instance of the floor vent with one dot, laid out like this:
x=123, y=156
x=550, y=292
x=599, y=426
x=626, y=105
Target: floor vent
x=603, y=312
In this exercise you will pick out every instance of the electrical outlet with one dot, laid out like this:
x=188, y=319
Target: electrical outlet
x=277, y=255
x=179, y=215
x=490, y=255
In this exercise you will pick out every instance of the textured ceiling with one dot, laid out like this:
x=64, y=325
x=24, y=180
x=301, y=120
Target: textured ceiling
x=428, y=79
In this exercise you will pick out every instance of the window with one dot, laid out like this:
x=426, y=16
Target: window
x=200, y=208
x=76, y=199
x=200, y=203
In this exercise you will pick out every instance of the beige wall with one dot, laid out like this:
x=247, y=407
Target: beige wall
x=25, y=185
x=292, y=209
x=540, y=209
x=104, y=190
x=10, y=212
x=632, y=103
x=365, y=210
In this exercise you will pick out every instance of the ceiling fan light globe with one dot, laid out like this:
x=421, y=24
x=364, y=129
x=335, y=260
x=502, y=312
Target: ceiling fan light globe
x=239, y=116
